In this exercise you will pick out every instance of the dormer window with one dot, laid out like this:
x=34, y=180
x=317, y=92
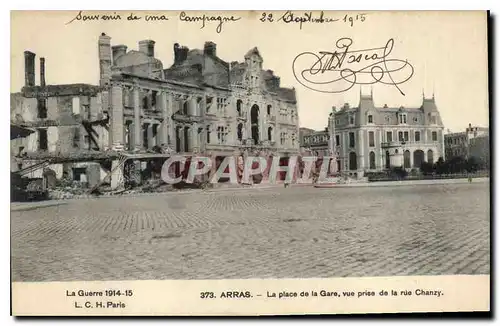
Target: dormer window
x=433, y=119
x=351, y=119
x=370, y=118
x=402, y=118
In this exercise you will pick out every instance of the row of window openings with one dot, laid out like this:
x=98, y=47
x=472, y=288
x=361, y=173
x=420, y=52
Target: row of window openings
x=222, y=104
x=239, y=108
x=455, y=141
x=402, y=136
x=370, y=119
x=42, y=108
x=147, y=104
x=145, y=136
x=149, y=100
x=457, y=152
x=419, y=155
x=222, y=136
x=402, y=119
x=223, y=132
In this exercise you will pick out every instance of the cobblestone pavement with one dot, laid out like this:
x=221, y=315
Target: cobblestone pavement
x=267, y=233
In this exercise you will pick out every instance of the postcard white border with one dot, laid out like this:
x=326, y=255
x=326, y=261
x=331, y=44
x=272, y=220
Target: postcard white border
x=91, y=4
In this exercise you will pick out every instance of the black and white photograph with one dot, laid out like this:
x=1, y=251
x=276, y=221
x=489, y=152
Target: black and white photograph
x=245, y=146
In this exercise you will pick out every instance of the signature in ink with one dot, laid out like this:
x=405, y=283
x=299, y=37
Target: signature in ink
x=340, y=70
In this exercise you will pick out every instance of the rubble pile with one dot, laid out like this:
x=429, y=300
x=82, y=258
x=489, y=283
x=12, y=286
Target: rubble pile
x=154, y=186
x=68, y=190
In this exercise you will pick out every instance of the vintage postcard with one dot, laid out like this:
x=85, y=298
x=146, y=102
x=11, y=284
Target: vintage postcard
x=249, y=162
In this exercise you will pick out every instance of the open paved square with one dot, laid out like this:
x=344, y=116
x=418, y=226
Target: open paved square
x=298, y=232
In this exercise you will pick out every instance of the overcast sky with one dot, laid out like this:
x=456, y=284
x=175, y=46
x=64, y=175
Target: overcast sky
x=448, y=52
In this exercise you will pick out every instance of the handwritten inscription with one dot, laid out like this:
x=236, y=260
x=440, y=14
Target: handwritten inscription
x=290, y=17
x=81, y=17
x=203, y=19
x=340, y=70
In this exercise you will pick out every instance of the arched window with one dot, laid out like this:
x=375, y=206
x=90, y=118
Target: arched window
x=418, y=158
x=430, y=157
x=269, y=108
x=406, y=159
x=270, y=133
x=372, y=161
x=387, y=160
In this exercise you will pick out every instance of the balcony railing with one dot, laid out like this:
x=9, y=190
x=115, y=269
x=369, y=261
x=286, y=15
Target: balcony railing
x=407, y=143
x=391, y=144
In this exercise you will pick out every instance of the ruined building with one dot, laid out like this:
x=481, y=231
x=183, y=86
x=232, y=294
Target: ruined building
x=201, y=104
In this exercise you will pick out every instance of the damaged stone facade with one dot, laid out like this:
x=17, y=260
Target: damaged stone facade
x=199, y=105
x=55, y=113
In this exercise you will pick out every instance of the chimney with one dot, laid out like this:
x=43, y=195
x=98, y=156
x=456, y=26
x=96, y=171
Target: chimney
x=210, y=49
x=118, y=51
x=176, y=53
x=42, y=72
x=183, y=53
x=29, y=68
x=147, y=47
x=104, y=46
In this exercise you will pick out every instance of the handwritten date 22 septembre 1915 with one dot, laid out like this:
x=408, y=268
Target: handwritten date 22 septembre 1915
x=340, y=70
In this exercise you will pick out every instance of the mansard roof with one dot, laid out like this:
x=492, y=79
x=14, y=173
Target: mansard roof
x=366, y=102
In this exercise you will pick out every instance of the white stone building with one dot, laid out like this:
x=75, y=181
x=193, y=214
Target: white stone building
x=370, y=138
